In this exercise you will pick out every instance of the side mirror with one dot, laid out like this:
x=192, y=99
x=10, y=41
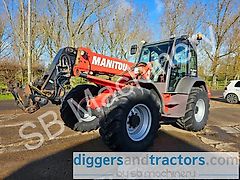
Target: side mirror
x=133, y=49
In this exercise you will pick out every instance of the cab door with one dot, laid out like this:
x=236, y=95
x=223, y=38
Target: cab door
x=183, y=63
x=179, y=65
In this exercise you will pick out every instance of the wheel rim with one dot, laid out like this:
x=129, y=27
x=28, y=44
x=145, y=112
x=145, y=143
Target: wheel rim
x=138, y=122
x=232, y=98
x=199, y=110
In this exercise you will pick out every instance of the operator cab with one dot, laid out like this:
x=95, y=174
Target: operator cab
x=170, y=60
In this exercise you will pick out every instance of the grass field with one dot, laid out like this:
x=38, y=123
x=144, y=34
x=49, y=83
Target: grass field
x=6, y=97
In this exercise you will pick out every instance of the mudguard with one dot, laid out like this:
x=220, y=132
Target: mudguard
x=185, y=85
x=152, y=86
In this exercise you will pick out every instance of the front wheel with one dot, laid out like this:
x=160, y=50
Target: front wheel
x=69, y=117
x=197, y=111
x=132, y=121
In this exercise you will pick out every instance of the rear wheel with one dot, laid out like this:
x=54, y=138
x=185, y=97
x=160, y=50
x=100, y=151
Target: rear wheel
x=132, y=121
x=69, y=117
x=197, y=111
x=232, y=98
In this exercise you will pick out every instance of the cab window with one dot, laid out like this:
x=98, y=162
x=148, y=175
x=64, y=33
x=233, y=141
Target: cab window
x=154, y=52
x=237, y=84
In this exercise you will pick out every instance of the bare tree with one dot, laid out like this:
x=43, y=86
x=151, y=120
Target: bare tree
x=172, y=20
x=18, y=32
x=4, y=39
x=17, y=18
x=76, y=17
x=225, y=15
x=181, y=17
x=121, y=27
x=233, y=48
x=52, y=31
x=194, y=17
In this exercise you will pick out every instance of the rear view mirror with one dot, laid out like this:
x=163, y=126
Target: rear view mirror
x=133, y=49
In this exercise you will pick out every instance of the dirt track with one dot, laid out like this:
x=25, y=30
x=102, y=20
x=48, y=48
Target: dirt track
x=54, y=157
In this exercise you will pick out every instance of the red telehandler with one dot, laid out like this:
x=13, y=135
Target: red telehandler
x=162, y=87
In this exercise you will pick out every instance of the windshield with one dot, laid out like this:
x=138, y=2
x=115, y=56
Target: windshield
x=157, y=52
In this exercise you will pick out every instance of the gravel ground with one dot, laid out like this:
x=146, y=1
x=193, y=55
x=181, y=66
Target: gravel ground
x=54, y=157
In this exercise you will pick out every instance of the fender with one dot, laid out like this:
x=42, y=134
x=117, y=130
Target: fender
x=151, y=86
x=185, y=84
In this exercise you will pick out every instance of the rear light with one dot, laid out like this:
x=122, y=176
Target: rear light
x=209, y=93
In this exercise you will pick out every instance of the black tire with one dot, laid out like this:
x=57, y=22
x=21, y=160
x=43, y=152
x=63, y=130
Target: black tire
x=232, y=98
x=189, y=122
x=113, y=128
x=68, y=116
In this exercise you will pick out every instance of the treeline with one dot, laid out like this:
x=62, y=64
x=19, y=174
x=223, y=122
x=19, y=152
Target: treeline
x=11, y=71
